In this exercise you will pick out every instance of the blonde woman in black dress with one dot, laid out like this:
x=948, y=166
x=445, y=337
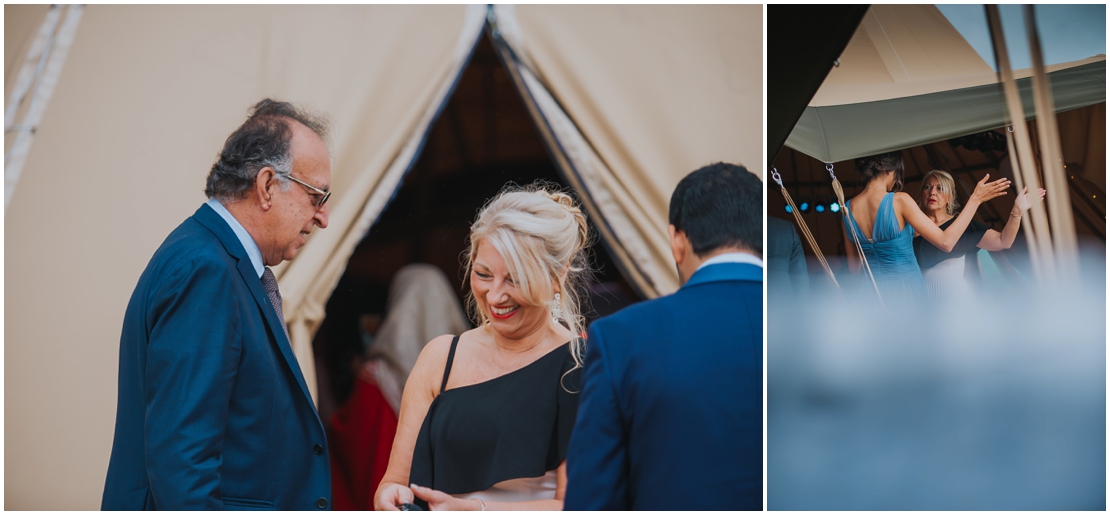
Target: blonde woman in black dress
x=946, y=273
x=486, y=415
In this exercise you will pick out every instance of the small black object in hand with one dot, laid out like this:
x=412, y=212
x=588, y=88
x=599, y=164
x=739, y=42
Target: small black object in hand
x=409, y=507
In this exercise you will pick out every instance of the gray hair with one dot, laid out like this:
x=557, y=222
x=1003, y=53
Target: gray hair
x=262, y=141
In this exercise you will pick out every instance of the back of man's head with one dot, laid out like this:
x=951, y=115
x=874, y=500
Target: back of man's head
x=719, y=206
x=263, y=140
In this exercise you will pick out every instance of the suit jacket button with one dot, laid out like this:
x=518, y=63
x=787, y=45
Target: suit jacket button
x=318, y=449
x=322, y=503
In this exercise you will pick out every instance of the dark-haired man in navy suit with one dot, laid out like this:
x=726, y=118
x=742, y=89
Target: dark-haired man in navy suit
x=212, y=410
x=671, y=414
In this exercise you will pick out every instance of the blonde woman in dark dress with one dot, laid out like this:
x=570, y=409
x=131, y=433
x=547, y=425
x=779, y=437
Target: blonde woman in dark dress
x=486, y=415
x=946, y=273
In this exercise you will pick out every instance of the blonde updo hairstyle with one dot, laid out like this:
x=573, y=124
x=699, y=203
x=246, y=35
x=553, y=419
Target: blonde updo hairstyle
x=541, y=234
x=947, y=185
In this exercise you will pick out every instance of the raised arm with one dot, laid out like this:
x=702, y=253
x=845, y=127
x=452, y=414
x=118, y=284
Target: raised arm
x=946, y=240
x=420, y=389
x=993, y=240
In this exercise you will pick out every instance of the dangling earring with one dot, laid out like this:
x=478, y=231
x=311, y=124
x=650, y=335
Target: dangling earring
x=556, y=311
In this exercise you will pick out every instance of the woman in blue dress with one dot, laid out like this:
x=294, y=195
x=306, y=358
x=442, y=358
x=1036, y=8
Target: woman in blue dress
x=882, y=219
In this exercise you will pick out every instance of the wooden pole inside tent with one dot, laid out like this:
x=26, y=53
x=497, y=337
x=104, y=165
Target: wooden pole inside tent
x=1045, y=273
x=1052, y=161
x=1030, y=236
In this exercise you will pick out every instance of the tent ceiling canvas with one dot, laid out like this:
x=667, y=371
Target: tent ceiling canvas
x=803, y=44
x=897, y=51
x=842, y=132
x=908, y=77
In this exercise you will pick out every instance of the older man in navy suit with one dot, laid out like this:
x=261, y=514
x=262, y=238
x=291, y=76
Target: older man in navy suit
x=212, y=410
x=671, y=414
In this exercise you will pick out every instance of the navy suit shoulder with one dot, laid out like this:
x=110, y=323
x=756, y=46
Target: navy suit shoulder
x=190, y=250
x=672, y=403
x=209, y=413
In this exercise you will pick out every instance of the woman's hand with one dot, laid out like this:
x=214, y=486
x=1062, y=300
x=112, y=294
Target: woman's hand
x=439, y=501
x=391, y=496
x=985, y=191
x=1022, y=203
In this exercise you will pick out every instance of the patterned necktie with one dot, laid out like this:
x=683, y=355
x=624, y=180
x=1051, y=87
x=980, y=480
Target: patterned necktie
x=270, y=283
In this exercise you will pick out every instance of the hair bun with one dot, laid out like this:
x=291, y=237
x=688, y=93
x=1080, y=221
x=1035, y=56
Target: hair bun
x=562, y=199
x=572, y=206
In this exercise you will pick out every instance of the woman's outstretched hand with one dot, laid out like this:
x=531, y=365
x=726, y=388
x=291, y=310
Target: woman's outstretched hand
x=985, y=191
x=1024, y=202
x=439, y=501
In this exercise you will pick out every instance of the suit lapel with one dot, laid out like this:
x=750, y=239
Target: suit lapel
x=726, y=272
x=207, y=217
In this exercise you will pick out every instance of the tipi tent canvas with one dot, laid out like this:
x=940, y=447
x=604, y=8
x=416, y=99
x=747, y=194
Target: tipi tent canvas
x=631, y=99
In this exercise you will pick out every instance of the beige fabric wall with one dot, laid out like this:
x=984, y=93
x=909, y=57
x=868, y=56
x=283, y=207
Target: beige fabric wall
x=147, y=96
x=657, y=91
x=21, y=22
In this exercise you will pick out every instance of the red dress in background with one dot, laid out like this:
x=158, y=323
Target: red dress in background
x=360, y=438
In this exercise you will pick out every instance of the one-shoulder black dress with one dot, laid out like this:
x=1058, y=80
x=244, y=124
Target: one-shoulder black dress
x=512, y=427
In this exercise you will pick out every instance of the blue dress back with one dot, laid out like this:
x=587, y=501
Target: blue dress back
x=890, y=254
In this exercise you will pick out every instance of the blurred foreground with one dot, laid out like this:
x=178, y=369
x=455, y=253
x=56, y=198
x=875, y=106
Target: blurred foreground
x=996, y=403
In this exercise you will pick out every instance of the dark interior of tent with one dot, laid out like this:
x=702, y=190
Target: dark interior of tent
x=482, y=139
x=968, y=159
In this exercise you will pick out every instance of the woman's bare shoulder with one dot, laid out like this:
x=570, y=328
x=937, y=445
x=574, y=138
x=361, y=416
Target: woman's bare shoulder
x=903, y=202
x=432, y=360
x=901, y=196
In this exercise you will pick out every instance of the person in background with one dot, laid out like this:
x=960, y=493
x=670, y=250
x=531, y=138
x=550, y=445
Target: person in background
x=671, y=415
x=213, y=412
x=882, y=220
x=421, y=305
x=946, y=273
x=787, y=273
x=486, y=415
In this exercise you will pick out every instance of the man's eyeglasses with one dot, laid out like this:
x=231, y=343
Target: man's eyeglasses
x=319, y=192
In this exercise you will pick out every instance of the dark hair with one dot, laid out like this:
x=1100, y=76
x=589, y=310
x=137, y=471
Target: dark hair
x=720, y=205
x=263, y=140
x=871, y=167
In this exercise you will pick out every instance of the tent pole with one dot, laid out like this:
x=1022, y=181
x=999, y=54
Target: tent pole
x=1030, y=236
x=1045, y=273
x=1059, y=203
